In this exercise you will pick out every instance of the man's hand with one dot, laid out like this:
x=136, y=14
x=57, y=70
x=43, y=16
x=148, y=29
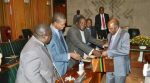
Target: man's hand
x=105, y=45
x=75, y=56
x=96, y=53
x=104, y=53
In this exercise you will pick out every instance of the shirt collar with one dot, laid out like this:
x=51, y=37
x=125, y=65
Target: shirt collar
x=54, y=29
x=38, y=41
x=116, y=32
x=102, y=14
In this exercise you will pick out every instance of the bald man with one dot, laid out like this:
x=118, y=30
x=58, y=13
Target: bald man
x=35, y=62
x=119, y=46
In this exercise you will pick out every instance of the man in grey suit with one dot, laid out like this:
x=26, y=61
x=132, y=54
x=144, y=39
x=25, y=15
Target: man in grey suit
x=118, y=49
x=78, y=38
x=58, y=47
x=35, y=62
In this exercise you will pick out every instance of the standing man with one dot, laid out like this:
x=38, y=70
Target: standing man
x=75, y=18
x=118, y=49
x=58, y=47
x=35, y=62
x=78, y=37
x=101, y=21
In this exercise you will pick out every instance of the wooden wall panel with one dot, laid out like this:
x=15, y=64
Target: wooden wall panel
x=1, y=14
x=28, y=16
x=44, y=12
x=7, y=12
x=34, y=12
x=19, y=15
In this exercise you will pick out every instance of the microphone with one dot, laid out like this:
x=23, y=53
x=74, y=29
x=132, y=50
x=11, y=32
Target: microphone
x=14, y=55
x=58, y=74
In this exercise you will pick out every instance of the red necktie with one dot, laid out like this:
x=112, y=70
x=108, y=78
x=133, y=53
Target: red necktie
x=103, y=22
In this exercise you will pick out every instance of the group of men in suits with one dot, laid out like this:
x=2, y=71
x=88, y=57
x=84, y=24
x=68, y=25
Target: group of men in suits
x=78, y=37
x=101, y=21
x=49, y=60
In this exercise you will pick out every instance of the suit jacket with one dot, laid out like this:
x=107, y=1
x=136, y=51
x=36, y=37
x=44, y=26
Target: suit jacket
x=98, y=21
x=120, y=53
x=59, y=53
x=93, y=31
x=74, y=41
x=35, y=64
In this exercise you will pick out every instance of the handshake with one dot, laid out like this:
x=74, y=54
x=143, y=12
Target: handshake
x=96, y=53
x=99, y=53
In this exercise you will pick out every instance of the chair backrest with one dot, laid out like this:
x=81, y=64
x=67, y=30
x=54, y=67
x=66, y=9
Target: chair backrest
x=26, y=33
x=133, y=32
x=5, y=33
x=8, y=51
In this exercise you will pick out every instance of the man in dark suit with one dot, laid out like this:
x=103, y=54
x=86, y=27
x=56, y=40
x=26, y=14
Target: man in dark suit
x=101, y=21
x=78, y=37
x=91, y=30
x=35, y=62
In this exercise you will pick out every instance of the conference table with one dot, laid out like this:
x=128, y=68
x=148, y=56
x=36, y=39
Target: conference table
x=96, y=77
x=90, y=76
x=8, y=72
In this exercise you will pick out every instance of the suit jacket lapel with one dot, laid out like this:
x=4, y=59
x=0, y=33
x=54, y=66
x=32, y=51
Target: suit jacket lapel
x=79, y=34
x=116, y=40
x=47, y=53
x=109, y=38
x=58, y=38
x=86, y=35
x=66, y=48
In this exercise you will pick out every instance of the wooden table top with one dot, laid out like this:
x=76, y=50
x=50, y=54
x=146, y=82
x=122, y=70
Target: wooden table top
x=73, y=73
x=6, y=67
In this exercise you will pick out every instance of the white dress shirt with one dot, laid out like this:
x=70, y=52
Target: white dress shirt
x=84, y=41
x=103, y=28
x=113, y=39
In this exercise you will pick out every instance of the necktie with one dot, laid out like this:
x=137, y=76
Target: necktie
x=103, y=22
x=62, y=39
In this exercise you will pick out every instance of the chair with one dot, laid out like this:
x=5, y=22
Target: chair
x=133, y=32
x=5, y=33
x=26, y=33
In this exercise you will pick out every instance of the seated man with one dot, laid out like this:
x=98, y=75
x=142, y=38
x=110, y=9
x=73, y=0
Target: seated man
x=91, y=30
x=78, y=37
